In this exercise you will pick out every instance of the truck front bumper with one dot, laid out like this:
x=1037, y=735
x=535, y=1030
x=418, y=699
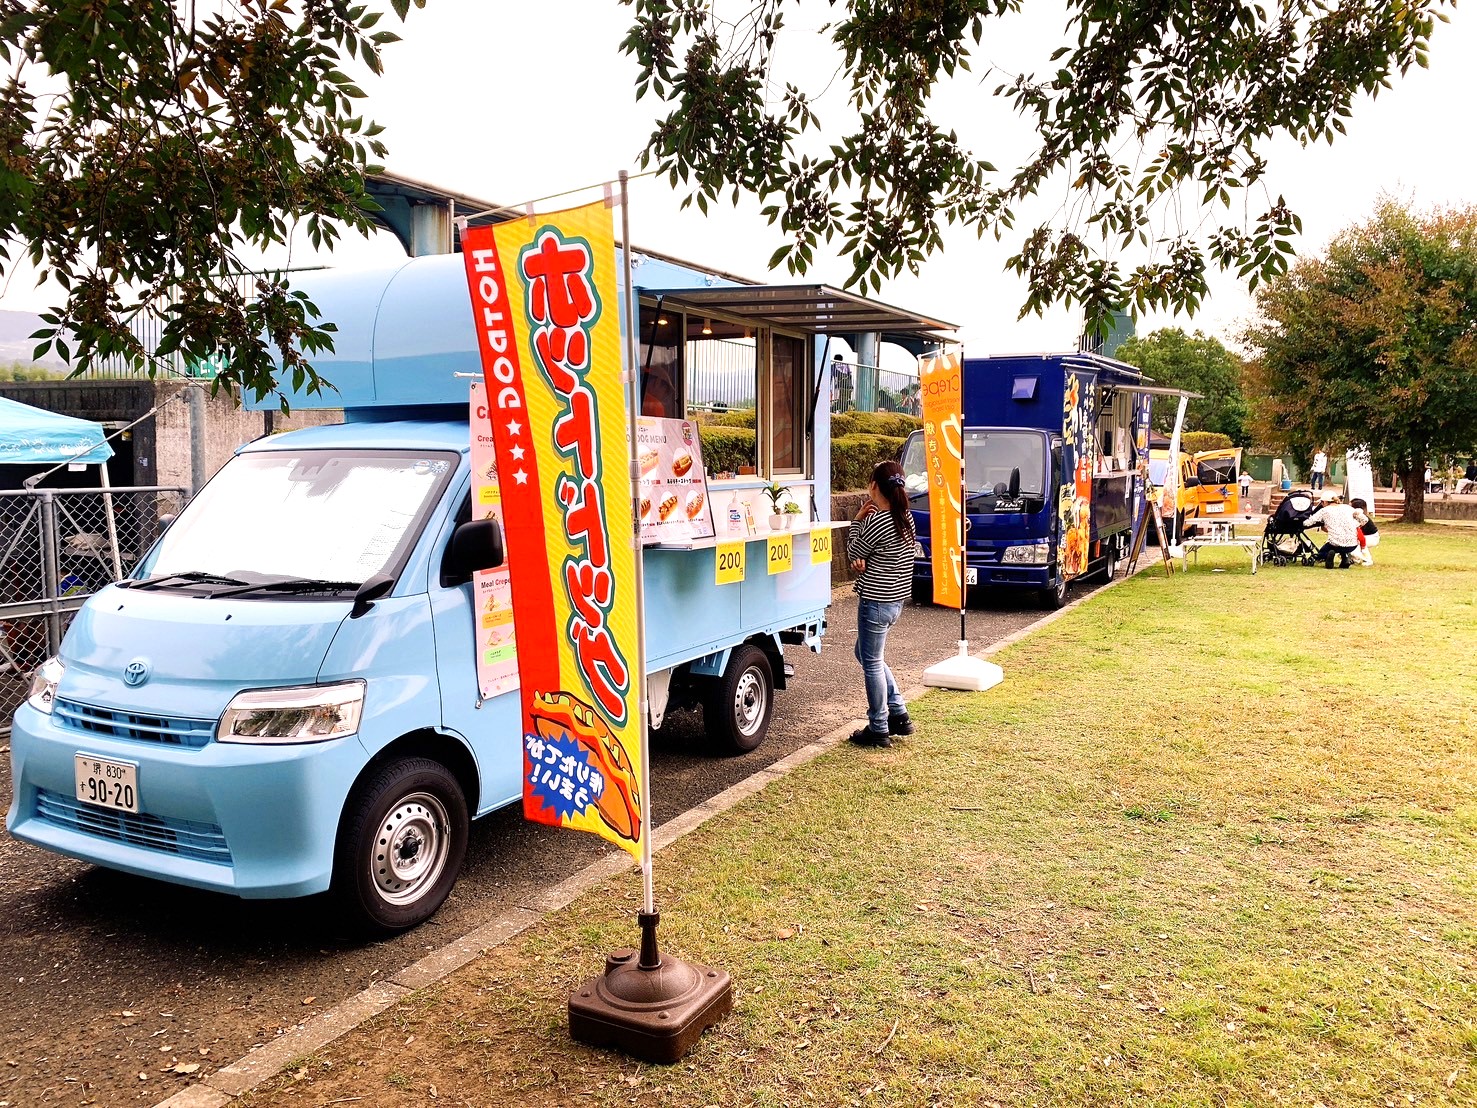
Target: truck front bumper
x=988, y=575
x=251, y=820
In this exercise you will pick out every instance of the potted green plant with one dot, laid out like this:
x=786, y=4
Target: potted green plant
x=793, y=512
x=778, y=495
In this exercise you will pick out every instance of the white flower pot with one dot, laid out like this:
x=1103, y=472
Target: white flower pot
x=776, y=522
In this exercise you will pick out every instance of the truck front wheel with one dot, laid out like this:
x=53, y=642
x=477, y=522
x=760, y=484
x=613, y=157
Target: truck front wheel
x=400, y=845
x=738, y=705
x=1054, y=596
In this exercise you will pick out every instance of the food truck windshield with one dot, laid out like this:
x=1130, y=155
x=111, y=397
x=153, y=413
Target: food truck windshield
x=326, y=515
x=991, y=458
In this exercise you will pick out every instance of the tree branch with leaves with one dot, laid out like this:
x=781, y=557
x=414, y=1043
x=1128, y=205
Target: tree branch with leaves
x=1196, y=89
x=145, y=146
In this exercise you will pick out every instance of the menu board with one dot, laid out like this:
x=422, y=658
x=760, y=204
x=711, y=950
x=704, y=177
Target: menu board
x=492, y=590
x=673, y=485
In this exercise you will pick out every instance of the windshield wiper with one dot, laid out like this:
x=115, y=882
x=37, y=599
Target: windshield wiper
x=189, y=577
x=290, y=585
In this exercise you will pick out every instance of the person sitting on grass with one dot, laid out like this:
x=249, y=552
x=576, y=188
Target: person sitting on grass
x=1337, y=518
x=1369, y=534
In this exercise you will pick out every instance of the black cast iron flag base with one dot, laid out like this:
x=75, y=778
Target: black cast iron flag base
x=651, y=1006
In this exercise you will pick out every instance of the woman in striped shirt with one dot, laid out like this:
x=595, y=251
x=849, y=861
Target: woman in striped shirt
x=880, y=548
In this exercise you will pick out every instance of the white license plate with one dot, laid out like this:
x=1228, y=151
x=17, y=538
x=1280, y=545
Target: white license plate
x=1215, y=508
x=971, y=575
x=105, y=783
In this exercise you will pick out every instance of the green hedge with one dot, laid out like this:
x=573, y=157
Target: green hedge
x=1193, y=442
x=854, y=456
x=892, y=424
x=727, y=448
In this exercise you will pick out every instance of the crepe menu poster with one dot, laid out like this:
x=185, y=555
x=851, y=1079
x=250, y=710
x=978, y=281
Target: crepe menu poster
x=673, y=503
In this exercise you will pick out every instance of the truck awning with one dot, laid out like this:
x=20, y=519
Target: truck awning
x=1157, y=390
x=819, y=309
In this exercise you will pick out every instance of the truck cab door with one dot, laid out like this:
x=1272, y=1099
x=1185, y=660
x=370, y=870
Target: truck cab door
x=491, y=726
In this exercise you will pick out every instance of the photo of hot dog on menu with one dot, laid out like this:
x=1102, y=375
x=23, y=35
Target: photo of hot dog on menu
x=673, y=501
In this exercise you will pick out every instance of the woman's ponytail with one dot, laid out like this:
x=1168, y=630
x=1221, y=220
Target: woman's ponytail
x=888, y=477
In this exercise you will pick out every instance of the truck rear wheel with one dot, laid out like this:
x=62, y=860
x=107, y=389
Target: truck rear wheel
x=401, y=844
x=738, y=706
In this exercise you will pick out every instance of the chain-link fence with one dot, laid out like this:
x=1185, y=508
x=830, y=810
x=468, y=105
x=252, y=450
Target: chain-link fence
x=57, y=548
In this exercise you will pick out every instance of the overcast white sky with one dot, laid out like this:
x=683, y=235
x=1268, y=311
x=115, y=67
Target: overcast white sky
x=517, y=101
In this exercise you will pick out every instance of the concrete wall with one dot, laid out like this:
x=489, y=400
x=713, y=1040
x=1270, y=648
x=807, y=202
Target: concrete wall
x=160, y=446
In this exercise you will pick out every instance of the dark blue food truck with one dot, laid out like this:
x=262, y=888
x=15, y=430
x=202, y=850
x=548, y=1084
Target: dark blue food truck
x=1052, y=451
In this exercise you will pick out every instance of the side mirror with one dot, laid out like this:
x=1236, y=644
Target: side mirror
x=475, y=545
x=1192, y=482
x=1014, y=489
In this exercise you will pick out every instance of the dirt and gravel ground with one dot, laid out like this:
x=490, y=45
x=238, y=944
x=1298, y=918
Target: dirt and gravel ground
x=115, y=986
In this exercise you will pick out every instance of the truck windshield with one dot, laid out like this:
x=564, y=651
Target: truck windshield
x=990, y=458
x=336, y=516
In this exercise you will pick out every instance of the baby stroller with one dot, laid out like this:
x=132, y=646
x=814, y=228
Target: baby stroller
x=1285, y=541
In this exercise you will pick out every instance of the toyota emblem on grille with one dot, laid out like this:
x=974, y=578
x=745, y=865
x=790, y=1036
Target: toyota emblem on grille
x=136, y=672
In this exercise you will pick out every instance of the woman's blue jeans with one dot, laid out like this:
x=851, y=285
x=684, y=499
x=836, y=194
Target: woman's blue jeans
x=873, y=620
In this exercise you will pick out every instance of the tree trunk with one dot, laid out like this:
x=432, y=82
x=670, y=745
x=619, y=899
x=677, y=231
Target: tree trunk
x=1414, y=480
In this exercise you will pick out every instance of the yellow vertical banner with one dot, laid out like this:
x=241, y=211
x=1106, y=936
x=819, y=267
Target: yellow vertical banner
x=545, y=305
x=941, y=383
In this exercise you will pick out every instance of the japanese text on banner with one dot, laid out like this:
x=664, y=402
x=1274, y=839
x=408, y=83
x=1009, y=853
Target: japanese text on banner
x=940, y=379
x=545, y=306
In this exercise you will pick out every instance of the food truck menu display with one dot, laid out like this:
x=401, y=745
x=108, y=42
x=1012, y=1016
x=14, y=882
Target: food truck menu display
x=497, y=654
x=673, y=485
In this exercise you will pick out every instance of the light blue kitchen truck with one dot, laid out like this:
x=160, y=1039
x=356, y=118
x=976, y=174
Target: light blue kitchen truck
x=282, y=699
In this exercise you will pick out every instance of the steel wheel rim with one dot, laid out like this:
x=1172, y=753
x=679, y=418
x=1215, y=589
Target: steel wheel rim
x=750, y=698
x=411, y=845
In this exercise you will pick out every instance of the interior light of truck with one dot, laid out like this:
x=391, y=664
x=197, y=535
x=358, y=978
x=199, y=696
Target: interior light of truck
x=43, y=684
x=304, y=714
x=1034, y=554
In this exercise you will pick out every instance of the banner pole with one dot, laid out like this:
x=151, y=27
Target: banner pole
x=633, y=378
x=963, y=507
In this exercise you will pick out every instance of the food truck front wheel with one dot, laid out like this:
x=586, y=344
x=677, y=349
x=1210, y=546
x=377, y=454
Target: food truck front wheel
x=738, y=704
x=1054, y=596
x=400, y=845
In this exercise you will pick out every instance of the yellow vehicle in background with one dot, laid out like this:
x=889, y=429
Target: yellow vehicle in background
x=1206, y=486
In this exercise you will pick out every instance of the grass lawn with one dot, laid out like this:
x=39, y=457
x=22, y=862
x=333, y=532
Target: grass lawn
x=1214, y=841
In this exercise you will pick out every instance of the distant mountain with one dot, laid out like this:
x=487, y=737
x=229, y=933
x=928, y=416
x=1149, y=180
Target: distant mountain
x=16, y=343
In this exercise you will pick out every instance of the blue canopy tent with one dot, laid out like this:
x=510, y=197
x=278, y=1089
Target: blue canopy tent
x=34, y=436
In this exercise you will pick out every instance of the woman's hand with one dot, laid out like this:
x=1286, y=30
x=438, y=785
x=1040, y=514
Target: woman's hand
x=867, y=509
x=858, y=564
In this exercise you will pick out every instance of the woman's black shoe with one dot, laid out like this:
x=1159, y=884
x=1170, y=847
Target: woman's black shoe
x=899, y=724
x=867, y=737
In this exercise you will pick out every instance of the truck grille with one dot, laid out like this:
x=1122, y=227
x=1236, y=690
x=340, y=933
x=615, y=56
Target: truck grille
x=192, y=733
x=203, y=842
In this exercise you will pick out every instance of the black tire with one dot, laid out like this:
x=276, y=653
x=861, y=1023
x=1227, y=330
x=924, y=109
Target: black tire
x=400, y=846
x=1054, y=597
x=737, y=710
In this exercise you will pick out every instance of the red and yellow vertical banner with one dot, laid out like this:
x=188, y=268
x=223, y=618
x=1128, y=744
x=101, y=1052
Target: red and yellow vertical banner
x=546, y=311
x=941, y=382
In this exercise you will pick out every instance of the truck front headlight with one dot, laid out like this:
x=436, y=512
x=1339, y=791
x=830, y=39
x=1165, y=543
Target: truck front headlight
x=304, y=714
x=918, y=553
x=1034, y=554
x=44, y=681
